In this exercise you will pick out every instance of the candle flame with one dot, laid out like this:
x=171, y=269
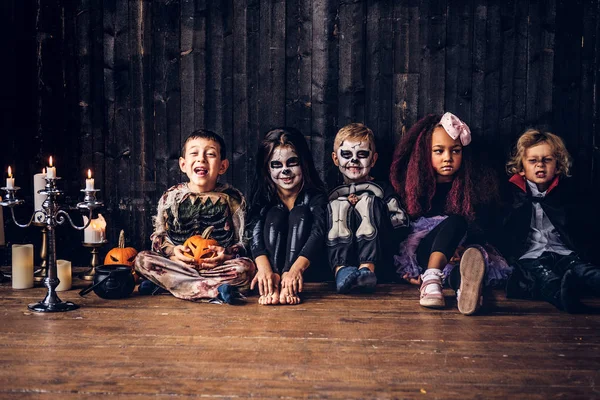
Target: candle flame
x=89, y=174
x=50, y=160
x=9, y=172
x=44, y=171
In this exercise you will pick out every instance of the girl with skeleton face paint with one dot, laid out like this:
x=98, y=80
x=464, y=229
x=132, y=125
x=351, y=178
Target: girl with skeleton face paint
x=286, y=171
x=287, y=218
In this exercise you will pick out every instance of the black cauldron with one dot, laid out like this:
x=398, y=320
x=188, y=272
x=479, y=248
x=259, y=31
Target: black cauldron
x=114, y=281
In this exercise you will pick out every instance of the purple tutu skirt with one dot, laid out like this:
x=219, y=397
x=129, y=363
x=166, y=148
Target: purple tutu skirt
x=497, y=269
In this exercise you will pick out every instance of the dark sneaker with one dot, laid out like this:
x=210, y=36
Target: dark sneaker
x=228, y=294
x=366, y=280
x=149, y=288
x=345, y=279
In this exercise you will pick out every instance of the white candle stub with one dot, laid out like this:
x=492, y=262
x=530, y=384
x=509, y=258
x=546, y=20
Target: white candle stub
x=10, y=181
x=63, y=270
x=89, y=182
x=2, y=243
x=50, y=171
x=22, y=266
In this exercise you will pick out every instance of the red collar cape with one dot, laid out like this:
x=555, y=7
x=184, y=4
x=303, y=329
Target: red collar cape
x=519, y=181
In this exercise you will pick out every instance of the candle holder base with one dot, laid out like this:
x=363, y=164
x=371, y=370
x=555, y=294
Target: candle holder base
x=39, y=275
x=53, y=307
x=89, y=274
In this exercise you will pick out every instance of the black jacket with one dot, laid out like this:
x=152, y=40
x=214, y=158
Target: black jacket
x=313, y=248
x=575, y=221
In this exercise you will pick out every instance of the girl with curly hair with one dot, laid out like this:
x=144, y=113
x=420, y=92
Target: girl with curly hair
x=448, y=199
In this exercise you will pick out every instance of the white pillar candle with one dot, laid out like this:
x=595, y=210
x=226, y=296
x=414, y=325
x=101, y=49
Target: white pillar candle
x=51, y=171
x=22, y=266
x=94, y=233
x=39, y=183
x=10, y=181
x=2, y=242
x=63, y=270
x=89, y=182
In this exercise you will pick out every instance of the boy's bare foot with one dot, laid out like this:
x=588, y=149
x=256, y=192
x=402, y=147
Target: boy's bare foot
x=273, y=298
x=286, y=298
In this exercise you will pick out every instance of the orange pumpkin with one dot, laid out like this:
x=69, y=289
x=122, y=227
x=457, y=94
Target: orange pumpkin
x=121, y=254
x=198, y=245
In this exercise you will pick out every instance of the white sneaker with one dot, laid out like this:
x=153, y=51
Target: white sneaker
x=431, y=289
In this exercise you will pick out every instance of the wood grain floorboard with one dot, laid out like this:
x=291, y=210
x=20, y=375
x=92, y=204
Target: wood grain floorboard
x=331, y=346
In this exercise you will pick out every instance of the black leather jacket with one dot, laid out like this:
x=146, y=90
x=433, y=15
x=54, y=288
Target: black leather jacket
x=314, y=245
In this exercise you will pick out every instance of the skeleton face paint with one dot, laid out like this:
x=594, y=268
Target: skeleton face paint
x=355, y=159
x=285, y=169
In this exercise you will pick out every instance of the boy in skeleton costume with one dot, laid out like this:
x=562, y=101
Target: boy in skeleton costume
x=187, y=209
x=361, y=213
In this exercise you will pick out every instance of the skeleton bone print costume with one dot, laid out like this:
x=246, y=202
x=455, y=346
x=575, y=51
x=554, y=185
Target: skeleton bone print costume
x=360, y=216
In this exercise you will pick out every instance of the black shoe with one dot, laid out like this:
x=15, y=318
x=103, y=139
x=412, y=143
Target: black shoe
x=569, y=294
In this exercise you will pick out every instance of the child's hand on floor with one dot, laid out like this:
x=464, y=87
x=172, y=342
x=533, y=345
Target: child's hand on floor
x=182, y=253
x=266, y=282
x=219, y=258
x=292, y=281
x=412, y=281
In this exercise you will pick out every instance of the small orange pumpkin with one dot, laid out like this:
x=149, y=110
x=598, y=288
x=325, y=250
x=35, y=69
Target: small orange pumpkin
x=121, y=254
x=198, y=245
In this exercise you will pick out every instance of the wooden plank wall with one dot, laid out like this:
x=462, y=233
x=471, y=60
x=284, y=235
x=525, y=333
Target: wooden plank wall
x=116, y=85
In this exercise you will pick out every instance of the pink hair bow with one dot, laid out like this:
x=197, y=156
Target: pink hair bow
x=456, y=128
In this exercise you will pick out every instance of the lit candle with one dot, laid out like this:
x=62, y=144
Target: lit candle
x=10, y=181
x=51, y=171
x=94, y=233
x=22, y=266
x=89, y=182
x=2, y=243
x=39, y=183
x=63, y=270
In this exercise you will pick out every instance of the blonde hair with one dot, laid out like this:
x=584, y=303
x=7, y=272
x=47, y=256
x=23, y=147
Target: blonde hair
x=534, y=137
x=354, y=131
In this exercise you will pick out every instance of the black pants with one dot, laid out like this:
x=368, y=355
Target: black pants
x=353, y=251
x=444, y=238
x=541, y=278
x=285, y=234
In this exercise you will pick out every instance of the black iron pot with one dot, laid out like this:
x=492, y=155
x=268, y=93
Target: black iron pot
x=114, y=281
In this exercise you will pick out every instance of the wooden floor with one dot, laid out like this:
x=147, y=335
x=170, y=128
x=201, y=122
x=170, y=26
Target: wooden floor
x=331, y=346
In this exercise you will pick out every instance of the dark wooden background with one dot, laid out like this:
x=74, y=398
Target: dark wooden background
x=115, y=85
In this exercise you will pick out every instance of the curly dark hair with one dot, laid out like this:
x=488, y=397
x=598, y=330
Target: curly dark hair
x=413, y=176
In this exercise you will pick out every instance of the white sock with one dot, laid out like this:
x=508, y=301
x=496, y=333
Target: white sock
x=434, y=275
